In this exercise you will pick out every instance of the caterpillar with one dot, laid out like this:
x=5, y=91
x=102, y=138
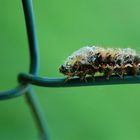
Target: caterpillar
x=107, y=61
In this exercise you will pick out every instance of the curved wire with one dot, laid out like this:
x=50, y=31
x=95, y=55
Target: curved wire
x=26, y=88
x=61, y=82
x=18, y=91
x=33, y=53
x=38, y=114
x=34, y=62
x=32, y=38
x=33, y=49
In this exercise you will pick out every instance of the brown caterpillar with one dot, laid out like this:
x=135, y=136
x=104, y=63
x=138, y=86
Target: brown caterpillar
x=108, y=61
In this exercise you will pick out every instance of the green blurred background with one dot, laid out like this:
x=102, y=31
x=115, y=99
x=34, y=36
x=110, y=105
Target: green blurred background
x=82, y=113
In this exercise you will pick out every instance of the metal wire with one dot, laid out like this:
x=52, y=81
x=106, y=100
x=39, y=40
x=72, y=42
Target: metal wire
x=60, y=82
x=33, y=49
x=33, y=69
x=18, y=91
x=38, y=114
x=31, y=32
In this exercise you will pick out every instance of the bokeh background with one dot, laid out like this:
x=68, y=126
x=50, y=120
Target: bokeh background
x=82, y=113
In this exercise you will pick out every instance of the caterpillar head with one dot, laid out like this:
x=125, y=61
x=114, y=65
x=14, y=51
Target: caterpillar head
x=64, y=70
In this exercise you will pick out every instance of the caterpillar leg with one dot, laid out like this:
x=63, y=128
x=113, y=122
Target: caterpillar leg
x=83, y=76
x=120, y=72
x=67, y=79
x=93, y=76
x=135, y=70
x=108, y=73
x=138, y=69
x=132, y=70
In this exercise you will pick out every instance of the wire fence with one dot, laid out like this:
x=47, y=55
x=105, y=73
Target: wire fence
x=26, y=88
x=27, y=80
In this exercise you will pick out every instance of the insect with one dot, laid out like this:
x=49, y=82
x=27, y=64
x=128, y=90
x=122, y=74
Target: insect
x=108, y=61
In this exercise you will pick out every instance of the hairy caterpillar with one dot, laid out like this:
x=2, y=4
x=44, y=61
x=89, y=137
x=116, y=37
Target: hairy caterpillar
x=108, y=61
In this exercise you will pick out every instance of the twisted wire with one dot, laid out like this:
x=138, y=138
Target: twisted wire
x=33, y=69
x=34, y=62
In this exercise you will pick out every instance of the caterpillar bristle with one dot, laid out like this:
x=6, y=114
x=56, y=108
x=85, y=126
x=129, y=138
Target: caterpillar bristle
x=90, y=60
